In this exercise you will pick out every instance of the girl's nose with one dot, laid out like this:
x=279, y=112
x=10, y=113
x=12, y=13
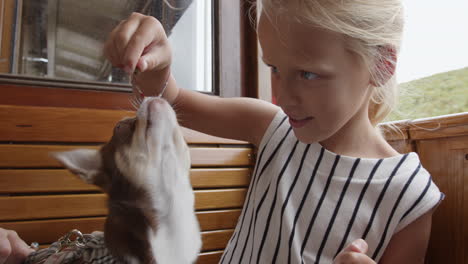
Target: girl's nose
x=285, y=93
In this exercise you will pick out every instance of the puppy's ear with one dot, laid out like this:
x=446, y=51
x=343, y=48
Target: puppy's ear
x=85, y=163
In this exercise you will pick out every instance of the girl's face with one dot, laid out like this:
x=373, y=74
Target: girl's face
x=317, y=81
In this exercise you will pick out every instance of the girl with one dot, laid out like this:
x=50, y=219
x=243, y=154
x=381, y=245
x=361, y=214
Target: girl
x=324, y=175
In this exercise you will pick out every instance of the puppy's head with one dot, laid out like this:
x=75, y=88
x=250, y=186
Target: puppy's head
x=142, y=150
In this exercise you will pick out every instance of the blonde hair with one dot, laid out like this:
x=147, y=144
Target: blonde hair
x=374, y=30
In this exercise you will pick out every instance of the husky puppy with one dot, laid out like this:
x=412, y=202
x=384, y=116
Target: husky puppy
x=144, y=170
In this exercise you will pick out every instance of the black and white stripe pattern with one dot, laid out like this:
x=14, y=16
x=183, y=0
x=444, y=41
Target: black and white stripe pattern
x=305, y=203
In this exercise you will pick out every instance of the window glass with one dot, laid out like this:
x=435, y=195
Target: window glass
x=432, y=70
x=63, y=39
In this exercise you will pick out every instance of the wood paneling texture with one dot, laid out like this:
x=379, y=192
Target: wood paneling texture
x=31, y=229
x=63, y=124
x=442, y=145
x=59, y=180
x=38, y=118
x=28, y=95
x=42, y=201
x=38, y=156
x=80, y=205
x=31, y=181
x=7, y=16
x=446, y=160
x=210, y=257
x=34, y=231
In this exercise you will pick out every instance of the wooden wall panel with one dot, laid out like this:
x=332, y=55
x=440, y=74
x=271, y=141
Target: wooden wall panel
x=33, y=230
x=58, y=180
x=439, y=127
x=38, y=156
x=464, y=247
x=442, y=145
x=449, y=237
x=215, y=240
x=444, y=233
x=59, y=97
x=80, y=205
x=59, y=124
x=54, y=124
x=212, y=257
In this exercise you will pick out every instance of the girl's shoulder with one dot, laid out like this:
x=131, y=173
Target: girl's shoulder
x=414, y=189
x=278, y=123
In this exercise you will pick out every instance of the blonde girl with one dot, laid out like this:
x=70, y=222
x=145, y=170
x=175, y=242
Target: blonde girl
x=327, y=187
x=324, y=176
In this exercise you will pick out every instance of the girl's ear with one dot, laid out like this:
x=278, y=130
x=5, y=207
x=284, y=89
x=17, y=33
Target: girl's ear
x=85, y=163
x=386, y=65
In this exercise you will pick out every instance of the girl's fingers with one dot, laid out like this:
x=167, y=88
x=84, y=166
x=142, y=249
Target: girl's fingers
x=119, y=38
x=5, y=247
x=140, y=41
x=354, y=253
x=12, y=248
x=359, y=246
x=123, y=35
x=112, y=47
x=110, y=51
x=352, y=258
x=147, y=38
x=157, y=58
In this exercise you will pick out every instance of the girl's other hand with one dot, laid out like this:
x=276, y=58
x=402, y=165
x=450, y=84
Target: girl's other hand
x=140, y=42
x=354, y=253
x=12, y=248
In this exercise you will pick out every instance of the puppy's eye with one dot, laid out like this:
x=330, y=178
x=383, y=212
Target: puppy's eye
x=118, y=128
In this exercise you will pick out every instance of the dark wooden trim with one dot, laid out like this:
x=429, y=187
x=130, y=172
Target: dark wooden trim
x=228, y=47
x=249, y=50
x=59, y=97
x=236, y=49
x=6, y=30
x=452, y=125
x=57, y=82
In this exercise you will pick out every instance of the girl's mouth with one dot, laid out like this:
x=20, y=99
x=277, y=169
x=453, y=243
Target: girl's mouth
x=298, y=123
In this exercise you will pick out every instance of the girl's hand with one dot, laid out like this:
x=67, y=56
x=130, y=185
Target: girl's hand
x=354, y=253
x=12, y=248
x=140, y=42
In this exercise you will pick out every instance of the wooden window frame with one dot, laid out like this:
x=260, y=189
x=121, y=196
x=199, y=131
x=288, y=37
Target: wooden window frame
x=234, y=74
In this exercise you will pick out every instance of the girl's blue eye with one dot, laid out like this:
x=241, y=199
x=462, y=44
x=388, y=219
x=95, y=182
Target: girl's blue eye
x=308, y=75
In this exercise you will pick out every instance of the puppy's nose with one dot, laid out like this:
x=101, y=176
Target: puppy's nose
x=156, y=104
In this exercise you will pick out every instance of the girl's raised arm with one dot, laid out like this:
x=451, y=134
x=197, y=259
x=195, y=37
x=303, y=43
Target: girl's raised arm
x=140, y=42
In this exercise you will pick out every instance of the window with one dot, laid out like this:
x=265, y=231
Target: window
x=433, y=63
x=63, y=39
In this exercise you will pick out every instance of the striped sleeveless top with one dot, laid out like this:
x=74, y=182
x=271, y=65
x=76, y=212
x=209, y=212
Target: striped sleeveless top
x=305, y=203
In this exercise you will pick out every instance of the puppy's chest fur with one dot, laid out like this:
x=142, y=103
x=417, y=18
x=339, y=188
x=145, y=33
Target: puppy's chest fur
x=131, y=218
